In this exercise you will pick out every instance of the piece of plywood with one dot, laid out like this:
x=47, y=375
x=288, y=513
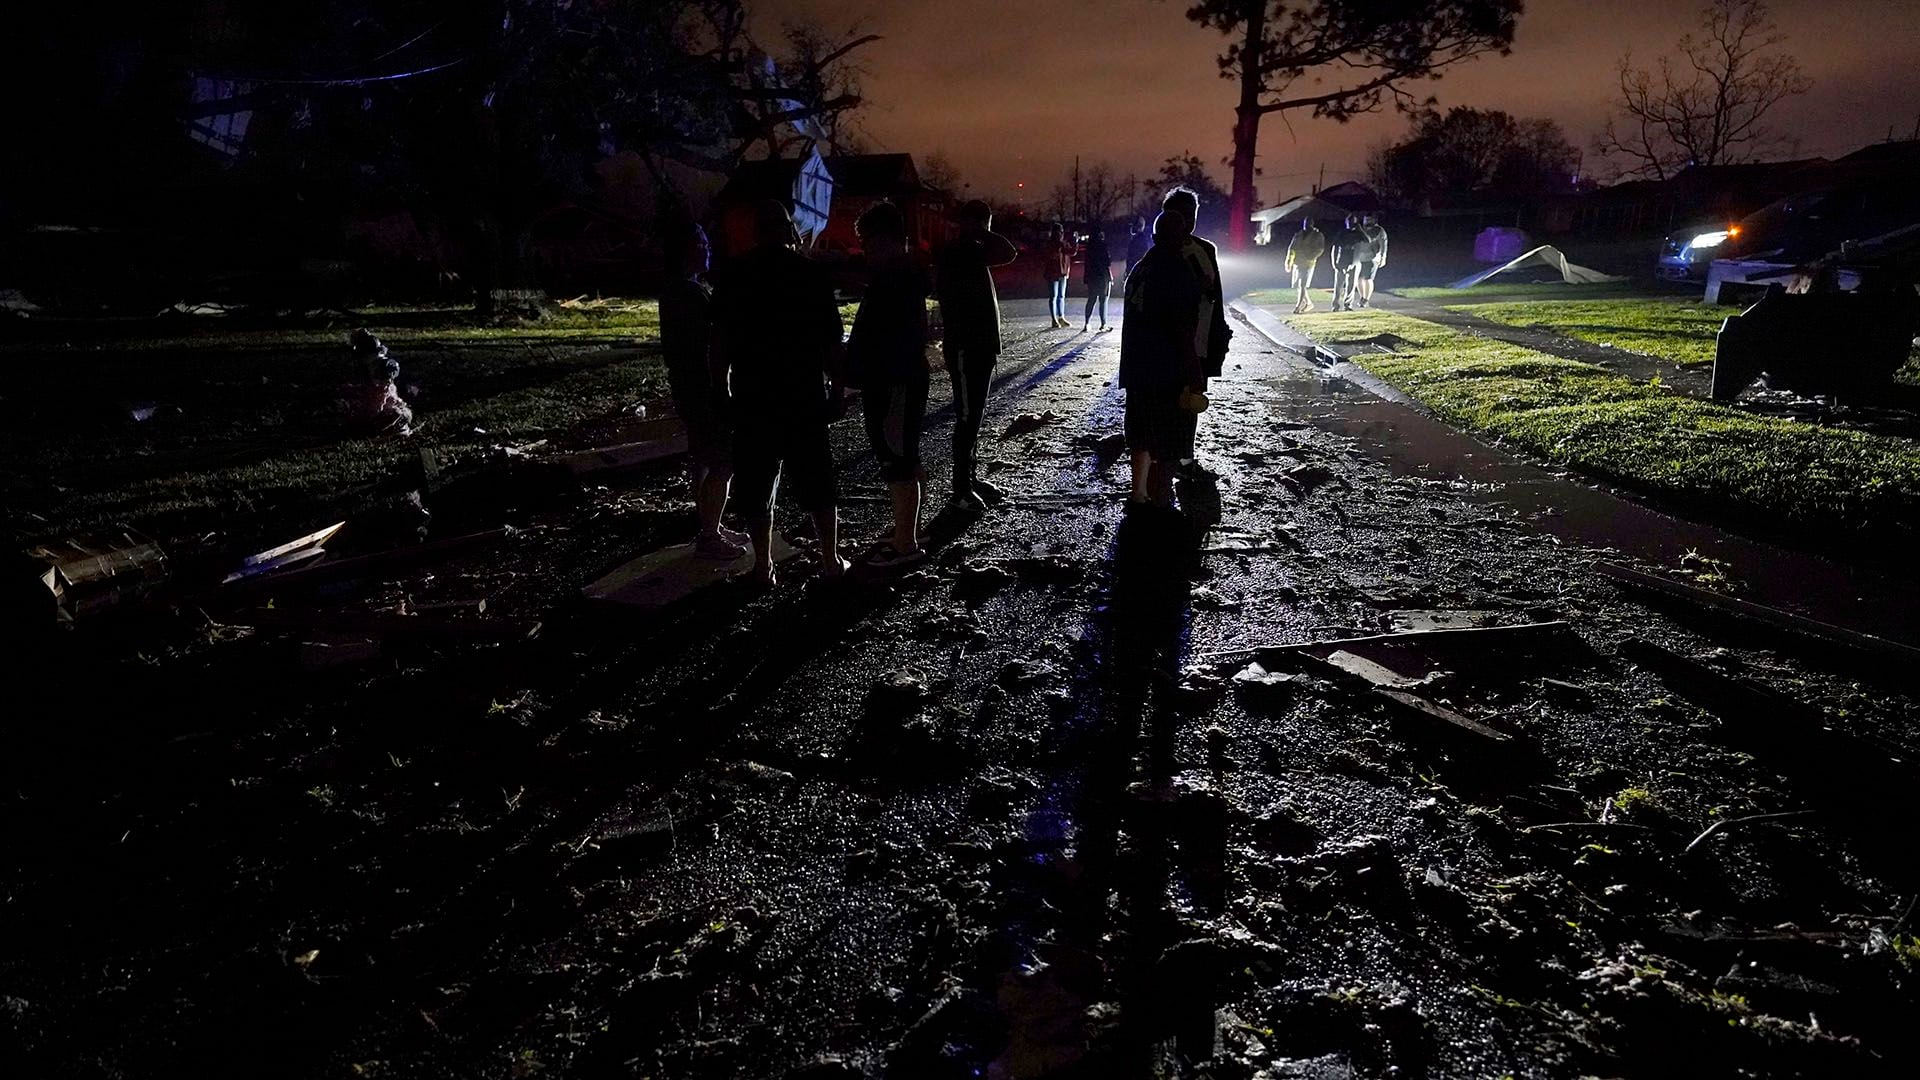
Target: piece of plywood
x=662, y=577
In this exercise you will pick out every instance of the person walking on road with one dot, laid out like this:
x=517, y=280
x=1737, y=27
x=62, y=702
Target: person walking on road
x=887, y=361
x=777, y=331
x=1098, y=275
x=970, y=312
x=1303, y=258
x=1163, y=361
x=1374, y=259
x=686, y=325
x=1057, y=265
x=1350, y=248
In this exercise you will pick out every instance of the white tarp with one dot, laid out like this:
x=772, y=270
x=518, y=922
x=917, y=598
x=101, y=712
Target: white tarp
x=1545, y=255
x=812, y=197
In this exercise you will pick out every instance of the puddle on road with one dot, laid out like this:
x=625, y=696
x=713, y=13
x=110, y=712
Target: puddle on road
x=1414, y=444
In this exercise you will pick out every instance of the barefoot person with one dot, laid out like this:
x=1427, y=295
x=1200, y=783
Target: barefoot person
x=777, y=330
x=970, y=312
x=1303, y=258
x=887, y=360
x=1162, y=361
x=1098, y=274
x=686, y=323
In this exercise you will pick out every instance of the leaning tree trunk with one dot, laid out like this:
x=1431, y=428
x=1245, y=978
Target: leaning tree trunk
x=1246, y=129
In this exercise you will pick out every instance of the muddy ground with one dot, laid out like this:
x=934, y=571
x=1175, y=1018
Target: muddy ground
x=1025, y=812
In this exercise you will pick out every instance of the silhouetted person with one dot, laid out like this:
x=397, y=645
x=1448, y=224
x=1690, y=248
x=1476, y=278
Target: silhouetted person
x=1163, y=359
x=1139, y=240
x=1056, y=266
x=1098, y=274
x=1373, y=260
x=1350, y=248
x=1303, y=258
x=777, y=329
x=699, y=394
x=1204, y=260
x=970, y=311
x=887, y=360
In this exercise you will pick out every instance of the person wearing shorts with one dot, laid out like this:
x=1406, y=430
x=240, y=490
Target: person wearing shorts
x=686, y=325
x=777, y=331
x=887, y=360
x=1373, y=260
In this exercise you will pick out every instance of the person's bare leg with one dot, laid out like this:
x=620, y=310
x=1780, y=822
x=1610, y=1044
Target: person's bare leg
x=906, y=515
x=827, y=524
x=1162, y=485
x=710, y=499
x=760, y=532
x=1142, y=476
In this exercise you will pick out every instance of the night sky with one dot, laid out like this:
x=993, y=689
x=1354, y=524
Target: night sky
x=1013, y=89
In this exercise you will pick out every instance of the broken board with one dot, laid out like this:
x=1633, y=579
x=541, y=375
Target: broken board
x=663, y=577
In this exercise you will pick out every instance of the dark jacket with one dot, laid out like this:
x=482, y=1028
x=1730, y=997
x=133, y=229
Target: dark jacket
x=1099, y=268
x=1203, y=259
x=1351, y=247
x=1160, y=334
x=777, y=327
x=963, y=279
x=888, y=343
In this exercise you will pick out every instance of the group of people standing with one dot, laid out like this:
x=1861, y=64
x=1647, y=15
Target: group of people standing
x=1057, y=256
x=759, y=372
x=1359, y=253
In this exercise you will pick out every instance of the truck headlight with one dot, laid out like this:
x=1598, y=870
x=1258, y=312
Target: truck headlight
x=1708, y=240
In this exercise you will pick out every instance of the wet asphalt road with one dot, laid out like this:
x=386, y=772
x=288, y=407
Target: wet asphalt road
x=1009, y=816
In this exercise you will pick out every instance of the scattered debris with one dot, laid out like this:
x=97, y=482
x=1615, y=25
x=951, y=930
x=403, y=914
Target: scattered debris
x=291, y=553
x=1378, y=674
x=88, y=574
x=1261, y=687
x=1420, y=621
x=1026, y=423
x=1306, y=478
x=1633, y=579
x=368, y=565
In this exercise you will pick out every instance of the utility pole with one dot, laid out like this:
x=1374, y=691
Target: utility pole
x=1323, y=178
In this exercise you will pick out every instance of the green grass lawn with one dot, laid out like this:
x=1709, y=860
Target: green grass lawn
x=1640, y=435
x=259, y=430
x=1662, y=327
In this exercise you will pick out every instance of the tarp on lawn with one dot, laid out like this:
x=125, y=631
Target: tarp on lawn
x=1548, y=256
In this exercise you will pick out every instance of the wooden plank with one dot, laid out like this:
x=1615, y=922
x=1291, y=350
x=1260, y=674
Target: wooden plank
x=387, y=624
x=1451, y=720
x=1476, y=637
x=366, y=565
x=1794, y=736
x=312, y=539
x=662, y=577
x=1772, y=616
